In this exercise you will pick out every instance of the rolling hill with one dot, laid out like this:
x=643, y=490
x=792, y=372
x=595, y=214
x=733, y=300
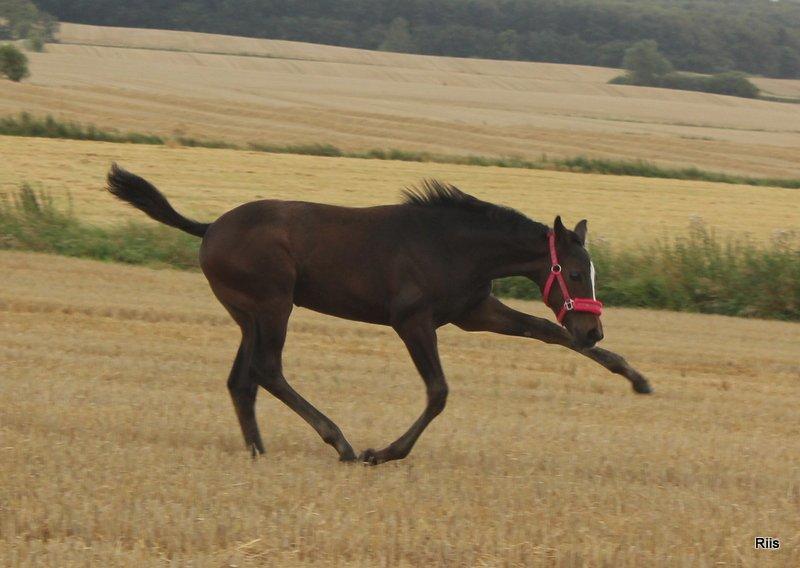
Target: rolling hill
x=242, y=89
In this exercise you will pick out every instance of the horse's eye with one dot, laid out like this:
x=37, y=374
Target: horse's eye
x=576, y=276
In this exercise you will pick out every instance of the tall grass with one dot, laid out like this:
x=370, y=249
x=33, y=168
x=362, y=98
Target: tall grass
x=25, y=124
x=30, y=221
x=697, y=272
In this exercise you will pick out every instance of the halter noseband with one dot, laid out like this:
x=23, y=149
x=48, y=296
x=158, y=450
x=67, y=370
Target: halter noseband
x=589, y=305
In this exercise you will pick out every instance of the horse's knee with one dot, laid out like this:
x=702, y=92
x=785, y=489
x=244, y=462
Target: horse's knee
x=241, y=388
x=268, y=374
x=437, y=396
x=330, y=433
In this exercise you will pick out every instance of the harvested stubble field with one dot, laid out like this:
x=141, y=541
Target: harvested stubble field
x=207, y=182
x=118, y=442
x=120, y=447
x=280, y=92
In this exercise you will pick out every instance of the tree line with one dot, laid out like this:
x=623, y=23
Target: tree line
x=707, y=36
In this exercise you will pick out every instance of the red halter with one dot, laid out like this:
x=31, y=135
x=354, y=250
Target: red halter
x=589, y=305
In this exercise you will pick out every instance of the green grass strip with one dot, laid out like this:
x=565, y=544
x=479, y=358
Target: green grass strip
x=25, y=124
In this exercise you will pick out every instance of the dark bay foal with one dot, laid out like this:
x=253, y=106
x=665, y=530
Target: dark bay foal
x=415, y=266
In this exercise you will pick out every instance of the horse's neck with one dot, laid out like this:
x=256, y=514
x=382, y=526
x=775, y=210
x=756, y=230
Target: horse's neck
x=500, y=254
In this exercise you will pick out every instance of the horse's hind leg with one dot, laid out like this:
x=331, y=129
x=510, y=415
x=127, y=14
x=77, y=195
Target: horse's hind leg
x=242, y=387
x=243, y=393
x=267, y=371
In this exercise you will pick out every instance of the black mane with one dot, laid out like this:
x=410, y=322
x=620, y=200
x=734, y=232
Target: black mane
x=438, y=194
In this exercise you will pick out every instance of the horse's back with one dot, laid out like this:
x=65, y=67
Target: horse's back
x=332, y=259
x=301, y=228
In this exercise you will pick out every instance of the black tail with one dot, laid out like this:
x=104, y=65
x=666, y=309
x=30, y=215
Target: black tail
x=145, y=197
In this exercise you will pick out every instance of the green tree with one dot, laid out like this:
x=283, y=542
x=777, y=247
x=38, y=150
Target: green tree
x=35, y=41
x=644, y=63
x=13, y=63
x=20, y=19
x=398, y=37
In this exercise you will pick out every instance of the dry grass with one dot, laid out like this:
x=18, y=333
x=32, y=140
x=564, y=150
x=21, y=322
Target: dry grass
x=120, y=446
x=291, y=92
x=205, y=183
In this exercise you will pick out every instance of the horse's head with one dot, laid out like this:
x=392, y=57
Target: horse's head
x=568, y=284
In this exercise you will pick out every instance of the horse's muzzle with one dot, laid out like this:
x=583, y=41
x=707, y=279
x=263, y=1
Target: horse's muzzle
x=588, y=340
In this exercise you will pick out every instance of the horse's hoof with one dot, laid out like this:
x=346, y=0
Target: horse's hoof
x=369, y=457
x=642, y=387
x=348, y=457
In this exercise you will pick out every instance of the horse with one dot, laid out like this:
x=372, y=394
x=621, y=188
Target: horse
x=415, y=266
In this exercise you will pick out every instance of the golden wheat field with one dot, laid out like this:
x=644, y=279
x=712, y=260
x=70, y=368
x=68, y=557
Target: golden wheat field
x=205, y=183
x=247, y=90
x=120, y=446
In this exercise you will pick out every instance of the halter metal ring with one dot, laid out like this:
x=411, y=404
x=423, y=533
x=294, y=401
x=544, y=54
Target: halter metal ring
x=555, y=269
x=569, y=305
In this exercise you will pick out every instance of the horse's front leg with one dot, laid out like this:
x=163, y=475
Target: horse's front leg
x=492, y=315
x=419, y=335
x=617, y=364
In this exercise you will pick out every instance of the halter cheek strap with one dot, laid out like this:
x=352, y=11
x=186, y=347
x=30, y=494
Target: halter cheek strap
x=589, y=305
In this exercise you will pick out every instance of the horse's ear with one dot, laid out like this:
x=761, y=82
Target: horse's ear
x=559, y=228
x=581, y=229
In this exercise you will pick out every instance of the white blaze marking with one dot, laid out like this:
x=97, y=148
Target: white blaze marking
x=591, y=275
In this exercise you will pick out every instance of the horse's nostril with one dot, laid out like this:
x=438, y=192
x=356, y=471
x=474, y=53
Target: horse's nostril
x=594, y=334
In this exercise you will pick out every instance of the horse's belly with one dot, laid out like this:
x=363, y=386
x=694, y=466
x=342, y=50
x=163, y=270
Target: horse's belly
x=342, y=304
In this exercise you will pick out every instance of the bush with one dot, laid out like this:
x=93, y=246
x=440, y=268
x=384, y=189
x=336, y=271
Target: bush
x=644, y=63
x=732, y=83
x=13, y=63
x=729, y=83
x=35, y=41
